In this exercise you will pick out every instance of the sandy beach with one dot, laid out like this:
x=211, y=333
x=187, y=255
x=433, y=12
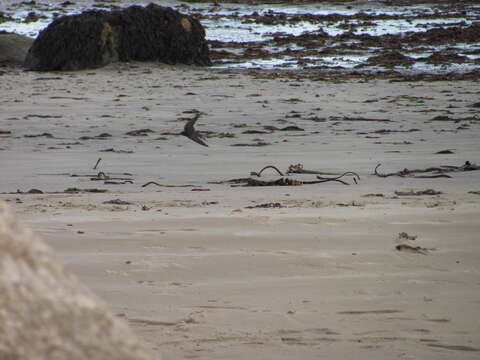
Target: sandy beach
x=205, y=270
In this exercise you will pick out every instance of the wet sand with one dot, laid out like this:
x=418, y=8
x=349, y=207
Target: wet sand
x=256, y=272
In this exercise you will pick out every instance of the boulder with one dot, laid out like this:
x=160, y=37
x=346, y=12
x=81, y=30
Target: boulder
x=13, y=48
x=46, y=313
x=96, y=38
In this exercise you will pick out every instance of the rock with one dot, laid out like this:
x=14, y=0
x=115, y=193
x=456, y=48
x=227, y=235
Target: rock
x=46, y=313
x=13, y=48
x=96, y=38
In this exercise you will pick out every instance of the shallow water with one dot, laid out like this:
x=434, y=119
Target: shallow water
x=236, y=27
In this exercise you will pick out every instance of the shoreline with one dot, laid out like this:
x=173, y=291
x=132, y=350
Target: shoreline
x=363, y=40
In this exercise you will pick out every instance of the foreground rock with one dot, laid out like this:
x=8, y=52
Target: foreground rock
x=13, y=48
x=96, y=38
x=45, y=313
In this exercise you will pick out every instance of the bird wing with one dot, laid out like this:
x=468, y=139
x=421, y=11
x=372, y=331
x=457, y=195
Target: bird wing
x=191, y=133
x=195, y=137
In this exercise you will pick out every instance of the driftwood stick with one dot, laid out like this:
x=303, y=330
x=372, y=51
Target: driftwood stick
x=253, y=173
x=292, y=182
x=437, y=172
x=279, y=182
x=150, y=183
x=375, y=172
x=164, y=185
x=231, y=181
x=326, y=180
x=98, y=162
x=433, y=176
x=337, y=178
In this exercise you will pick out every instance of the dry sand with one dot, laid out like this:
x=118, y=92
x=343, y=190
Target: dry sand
x=197, y=274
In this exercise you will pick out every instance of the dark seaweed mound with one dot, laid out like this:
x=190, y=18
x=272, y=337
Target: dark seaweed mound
x=95, y=38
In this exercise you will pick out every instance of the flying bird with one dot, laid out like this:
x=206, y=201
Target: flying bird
x=190, y=132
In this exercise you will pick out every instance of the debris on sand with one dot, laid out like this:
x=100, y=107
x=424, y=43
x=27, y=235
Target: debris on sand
x=412, y=249
x=404, y=236
x=117, y=202
x=435, y=172
x=265, y=205
x=418, y=192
